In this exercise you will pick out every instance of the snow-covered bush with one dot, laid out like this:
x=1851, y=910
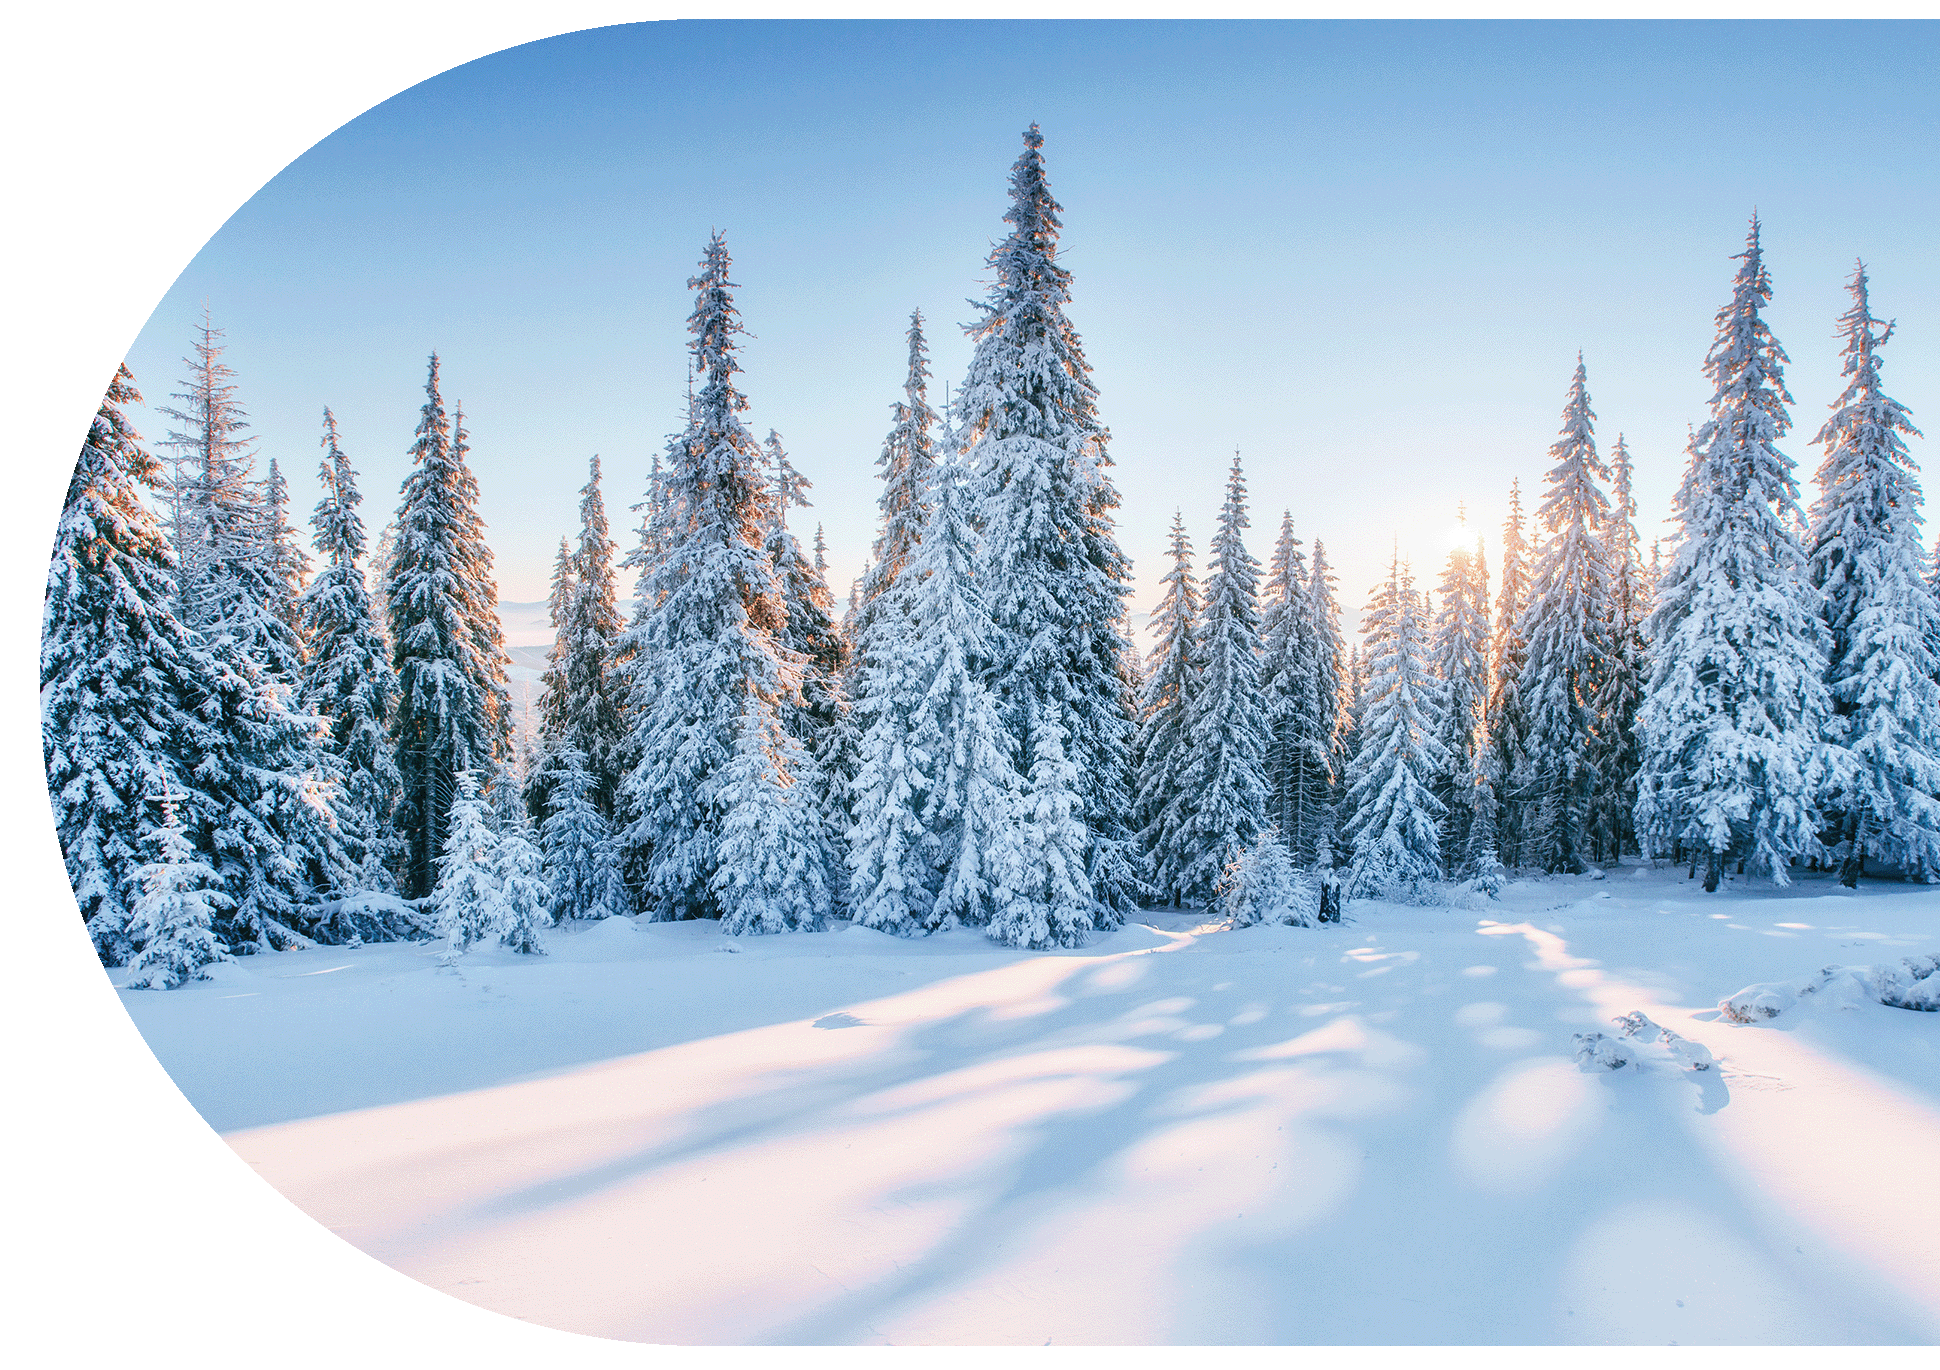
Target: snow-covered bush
x=1260, y=885
x=1912, y=983
x=1639, y=1043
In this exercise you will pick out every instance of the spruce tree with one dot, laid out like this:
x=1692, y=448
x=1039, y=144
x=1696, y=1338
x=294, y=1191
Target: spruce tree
x=234, y=575
x=1508, y=720
x=937, y=794
x=1566, y=624
x=1027, y=421
x=1332, y=689
x=1299, y=755
x=348, y=681
x=464, y=902
x=1047, y=900
x=521, y=905
x=1461, y=653
x=1226, y=725
x=809, y=631
x=116, y=672
x=1395, y=822
x=1614, y=755
x=908, y=454
x=581, y=858
x=454, y=710
x=1164, y=739
x=174, y=919
x=707, y=674
x=1732, y=727
x=1867, y=561
x=291, y=564
x=580, y=705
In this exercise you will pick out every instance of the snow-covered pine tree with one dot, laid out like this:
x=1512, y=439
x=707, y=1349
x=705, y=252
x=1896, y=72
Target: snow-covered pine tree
x=835, y=749
x=464, y=903
x=1508, y=720
x=1731, y=731
x=707, y=674
x=1614, y=753
x=937, y=794
x=809, y=630
x=1331, y=686
x=291, y=563
x=908, y=453
x=174, y=919
x=1164, y=741
x=348, y=681
x=1353, y=698
x=454, y=709
x=581, y=858
x=116, y=668
x=1046, y=900
x=232, y=580
x=1260, y=885
x=1395, y=819
x=521, y=904
x=581, y=704
x=1027, y=422
x=1566, y=631
x=1299, y=754
x=1461, y=648
x=1226, y=725
x=555, y=699
x=1867, y=560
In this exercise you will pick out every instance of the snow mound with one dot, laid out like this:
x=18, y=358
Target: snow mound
x=1910, y=983
x=1641, y=1042
x=368, y=916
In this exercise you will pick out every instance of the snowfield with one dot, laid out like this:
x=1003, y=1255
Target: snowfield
x=1184, y=1133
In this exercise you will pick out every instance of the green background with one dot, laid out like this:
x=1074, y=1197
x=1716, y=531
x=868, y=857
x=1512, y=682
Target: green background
x=132, y=1233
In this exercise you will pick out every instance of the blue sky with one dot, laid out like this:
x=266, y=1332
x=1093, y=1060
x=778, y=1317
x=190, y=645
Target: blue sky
x=1363, y=254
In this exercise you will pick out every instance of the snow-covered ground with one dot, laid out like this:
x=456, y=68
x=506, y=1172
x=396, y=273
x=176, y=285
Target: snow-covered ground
x=1183, y=1134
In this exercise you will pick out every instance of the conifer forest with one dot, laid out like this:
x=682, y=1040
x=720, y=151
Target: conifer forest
x=1004, y=944
x=252, y=748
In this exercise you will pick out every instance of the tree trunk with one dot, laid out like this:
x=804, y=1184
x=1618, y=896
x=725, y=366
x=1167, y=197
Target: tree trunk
x=1713, y=872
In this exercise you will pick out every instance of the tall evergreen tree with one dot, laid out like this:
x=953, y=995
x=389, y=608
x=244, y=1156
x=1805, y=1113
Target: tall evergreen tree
x=1299, y=756
x=937, y=794
x=116, y=672
x=908, y=454
x=1047, y=901
x=1867, y=560
x=1461, y=654
x=1027, y=421
x=1226, y=725
x=1164, y=740
x=1614, y=755
x=580, y=707
x=348, y=680
x=1508, y=721
x=454, y=710
x=1566, y=628
x=581, y=859
x=1395, y=822
x=1331, y=687
x=708, y=676
x=809, y=628
x=136, y=707
x=1731, y=728
x=233, y=580
x=292, y=564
